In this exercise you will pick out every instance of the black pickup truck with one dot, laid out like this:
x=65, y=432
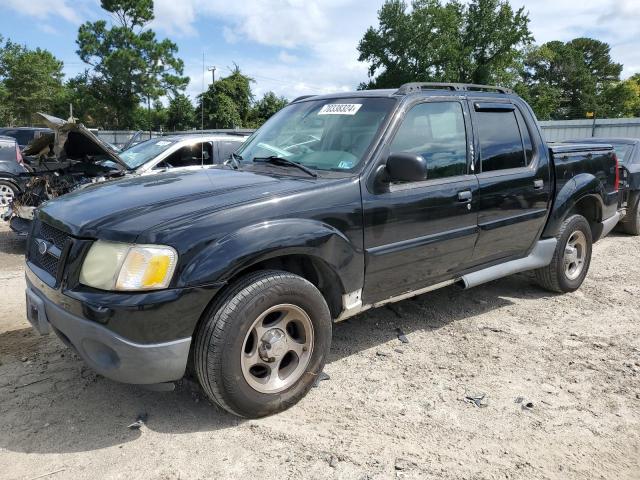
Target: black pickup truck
x=339, y=203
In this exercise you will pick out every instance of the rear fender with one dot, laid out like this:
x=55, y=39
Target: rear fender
x=578, y=188
x=221, y=260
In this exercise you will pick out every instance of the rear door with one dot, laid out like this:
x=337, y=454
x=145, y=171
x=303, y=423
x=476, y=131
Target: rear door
x=419, y=233
x=514, y=180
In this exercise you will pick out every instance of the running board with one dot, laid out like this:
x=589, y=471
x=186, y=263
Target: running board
x=540, y=256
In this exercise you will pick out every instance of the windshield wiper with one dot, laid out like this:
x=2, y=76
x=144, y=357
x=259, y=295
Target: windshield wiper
x=275, y=160
x=234, y=160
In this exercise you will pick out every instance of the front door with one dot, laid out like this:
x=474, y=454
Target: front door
x=419, y=234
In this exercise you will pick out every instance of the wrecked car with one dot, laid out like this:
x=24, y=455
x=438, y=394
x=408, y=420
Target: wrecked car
x=57, y=163
x=73, y=158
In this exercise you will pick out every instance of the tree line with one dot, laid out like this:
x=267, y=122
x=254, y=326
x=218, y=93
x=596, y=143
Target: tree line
x=488, y=42
x=133, y=80
x=129, y=72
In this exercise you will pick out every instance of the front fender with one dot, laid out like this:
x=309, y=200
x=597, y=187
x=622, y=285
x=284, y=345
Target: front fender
x=222, y=259
x=579, y=187
x=15, y=180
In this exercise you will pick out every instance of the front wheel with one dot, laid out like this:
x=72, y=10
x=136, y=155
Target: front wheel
x=8, y=192
x=571, y=259
x=259, y=349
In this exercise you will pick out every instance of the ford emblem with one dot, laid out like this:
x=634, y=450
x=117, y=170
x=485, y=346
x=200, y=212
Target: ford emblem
x=42, y=247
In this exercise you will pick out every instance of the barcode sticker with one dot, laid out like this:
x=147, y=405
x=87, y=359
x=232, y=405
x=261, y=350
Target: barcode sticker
x=340, y=109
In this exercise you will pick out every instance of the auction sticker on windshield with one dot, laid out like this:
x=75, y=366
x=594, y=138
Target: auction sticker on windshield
x=340, y=109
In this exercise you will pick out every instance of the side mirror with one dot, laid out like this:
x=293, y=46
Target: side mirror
x=406, y=167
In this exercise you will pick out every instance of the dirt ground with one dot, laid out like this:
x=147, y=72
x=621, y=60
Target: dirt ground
x=561, y=375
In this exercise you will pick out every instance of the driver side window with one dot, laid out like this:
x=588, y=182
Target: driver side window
x=436, y=131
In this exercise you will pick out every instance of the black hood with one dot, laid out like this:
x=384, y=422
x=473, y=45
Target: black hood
x=122, y=210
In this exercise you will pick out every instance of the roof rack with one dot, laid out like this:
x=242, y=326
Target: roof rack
x=302, y=97
x=457, y=87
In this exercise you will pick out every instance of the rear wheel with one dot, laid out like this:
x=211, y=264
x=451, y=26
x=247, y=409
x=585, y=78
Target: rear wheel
x=260, y=348
x=631, y=223
x=571, y=259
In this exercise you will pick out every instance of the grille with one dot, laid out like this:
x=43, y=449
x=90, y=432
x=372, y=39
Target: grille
x=53, y=235
x=50, y=260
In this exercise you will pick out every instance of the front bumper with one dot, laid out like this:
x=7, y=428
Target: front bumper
x=20, y=225
x=104, y=351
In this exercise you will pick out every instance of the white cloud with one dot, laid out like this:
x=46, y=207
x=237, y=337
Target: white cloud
x=46, y=28
x=286, y=57
x=46, y=9
x=317, y=40
x=175, y=17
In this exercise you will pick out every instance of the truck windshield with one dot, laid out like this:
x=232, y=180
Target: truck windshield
x=143, y=152
x=322, y=134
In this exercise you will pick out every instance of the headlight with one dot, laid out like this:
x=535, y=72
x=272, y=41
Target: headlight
x=121, y=266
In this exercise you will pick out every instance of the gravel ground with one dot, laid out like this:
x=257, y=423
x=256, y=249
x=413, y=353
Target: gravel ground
x=560, y=377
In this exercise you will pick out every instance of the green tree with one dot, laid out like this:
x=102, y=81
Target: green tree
x=479, y=42
x=150, y=117
x=227, y=103
x=31, y=82
x=131, y=64
x=180, y=114
x=84, y=93
x=5, y=112
x=565, y=80
x=632, y=98
x=264, y=108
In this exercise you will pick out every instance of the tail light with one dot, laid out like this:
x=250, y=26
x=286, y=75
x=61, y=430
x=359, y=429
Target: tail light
x=616, y=183
x=19, y=158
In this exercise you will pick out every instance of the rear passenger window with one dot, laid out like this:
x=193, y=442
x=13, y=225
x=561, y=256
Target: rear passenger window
x=500, y=141
x=436, y=131
x=526, y=137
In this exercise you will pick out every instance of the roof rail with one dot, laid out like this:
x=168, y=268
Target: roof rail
x=420, y=86
x=301, y=98
x=216, y=131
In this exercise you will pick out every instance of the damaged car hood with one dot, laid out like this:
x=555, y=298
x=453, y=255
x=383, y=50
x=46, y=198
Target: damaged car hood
x=72, y=140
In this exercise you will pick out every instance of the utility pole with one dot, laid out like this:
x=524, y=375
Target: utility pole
x=212, y=69
x=149, y=114
x=593, y=125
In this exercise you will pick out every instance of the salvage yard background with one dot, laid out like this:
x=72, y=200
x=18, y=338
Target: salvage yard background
x=389, y=409
x=553, y=130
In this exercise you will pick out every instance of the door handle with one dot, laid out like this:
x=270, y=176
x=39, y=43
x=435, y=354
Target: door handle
x=464, y=196
x=538, y=184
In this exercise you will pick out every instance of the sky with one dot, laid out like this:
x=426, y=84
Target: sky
x=296, y=47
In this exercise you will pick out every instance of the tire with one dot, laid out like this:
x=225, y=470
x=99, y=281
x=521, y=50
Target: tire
x=8, y=191
x=631, y=223
x=228, y=341
x=558, y=276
